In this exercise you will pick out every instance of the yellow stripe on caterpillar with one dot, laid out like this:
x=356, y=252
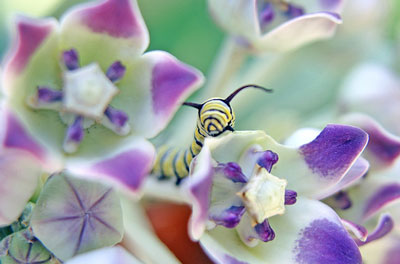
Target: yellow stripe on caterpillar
x=215, y=117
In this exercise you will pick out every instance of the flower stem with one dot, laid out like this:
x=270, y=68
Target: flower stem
x=230, y=58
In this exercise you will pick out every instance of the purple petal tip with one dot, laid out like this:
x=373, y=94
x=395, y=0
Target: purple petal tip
x=71, y=59
x=230, y=218
x=265, y=231
x=117, y=117
x=268, y=159
x=232, y=171
x=380, y=198
x=385, y=225
x=17, y=137
x=75, y=131
x=294, y=11
x=116, y=71
x=324, y=241
x=290, y=197
x=334, y=150
x=267, y=14
x=128, y=168
x=48, y=95
x=170, y=81
x=31, y=34
x=342, y=200
x=116, y=18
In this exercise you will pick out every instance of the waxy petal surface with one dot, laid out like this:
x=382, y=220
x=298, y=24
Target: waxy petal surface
x=383, y=149
x=238, y=17
x=370, y=198
x=19, y=177
x=300, y=31
x=244, y=21
x=114, y=27
x=126, y=166
x=309, y=232
x=16, y=136
x=311, y=169
x=198, y=189
x=170, y=82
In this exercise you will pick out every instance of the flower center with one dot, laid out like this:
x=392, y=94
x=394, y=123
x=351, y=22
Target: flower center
x=247, y=201
x=84, y=99
x=87, y=91
x=277, y=11
x=264, y=195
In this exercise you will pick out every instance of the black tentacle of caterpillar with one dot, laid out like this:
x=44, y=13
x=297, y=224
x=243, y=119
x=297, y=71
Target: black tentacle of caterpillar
x=215, y=117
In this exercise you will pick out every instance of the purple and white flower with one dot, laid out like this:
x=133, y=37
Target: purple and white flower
x=82, y=93
x=277, y=25
x=252, y=196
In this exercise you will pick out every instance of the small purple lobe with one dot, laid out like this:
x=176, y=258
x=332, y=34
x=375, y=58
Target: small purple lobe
x=117, y=117
x=267, y=14
x=71, y=59
x=113, y=17
x=267, y=160
x=294, y=11
x=230, y=218
x=264, y=231
x=342, y=200
x=334, y=150
x=130, y=168
x=30, y=37
x=17, y=137
x=290, y=197
x=75, y=130
x=170, y=81
x=385, y=225
x=386, y=149
x=380, y=198
x=329, y=4
x=116, y=71
x=48, y=95
x=232, y=171
x=326, y=242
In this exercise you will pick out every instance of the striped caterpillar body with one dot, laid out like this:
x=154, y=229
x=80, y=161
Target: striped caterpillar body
x=215, y=117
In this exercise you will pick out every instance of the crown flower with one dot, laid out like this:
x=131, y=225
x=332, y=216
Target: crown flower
x=83, y=93
x=252, y=196
x=276, y=25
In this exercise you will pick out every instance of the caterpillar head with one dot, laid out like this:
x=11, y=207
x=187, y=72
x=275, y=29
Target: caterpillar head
x=216, y=115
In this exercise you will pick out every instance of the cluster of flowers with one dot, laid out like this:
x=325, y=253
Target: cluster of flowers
x=81, y=99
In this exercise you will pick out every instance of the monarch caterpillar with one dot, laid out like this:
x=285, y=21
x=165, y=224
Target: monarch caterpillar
x=215, y=117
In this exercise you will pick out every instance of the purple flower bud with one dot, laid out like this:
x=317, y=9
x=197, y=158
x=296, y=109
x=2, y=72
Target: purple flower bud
x=265, y=231
x=290, y=197
x=74, y=135
x=267, y=14
x=342, y=200
x=117, y=117
x=71, y=59
x=230, y=218
x=48, y=95
x=267, y=160
x=232, y=171
x=116, y=71
x=294, y=11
